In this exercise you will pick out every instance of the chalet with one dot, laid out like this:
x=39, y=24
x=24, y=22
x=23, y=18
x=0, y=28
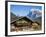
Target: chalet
x=23, y=24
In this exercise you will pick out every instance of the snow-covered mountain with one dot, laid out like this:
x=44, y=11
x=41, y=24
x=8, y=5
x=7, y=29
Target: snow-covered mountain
x=35, y=15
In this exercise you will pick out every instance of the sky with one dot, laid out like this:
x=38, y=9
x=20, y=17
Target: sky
x=22, y=10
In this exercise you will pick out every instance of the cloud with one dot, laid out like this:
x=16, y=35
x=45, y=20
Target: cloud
x=38, y=12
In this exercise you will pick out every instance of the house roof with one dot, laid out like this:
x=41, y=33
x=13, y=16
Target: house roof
x=23, y=17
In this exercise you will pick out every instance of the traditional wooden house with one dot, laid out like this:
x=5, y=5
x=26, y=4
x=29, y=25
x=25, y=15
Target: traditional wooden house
x=22, y=22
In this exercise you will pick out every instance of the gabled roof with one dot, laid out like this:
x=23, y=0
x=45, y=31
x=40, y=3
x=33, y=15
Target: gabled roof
x=23, y=17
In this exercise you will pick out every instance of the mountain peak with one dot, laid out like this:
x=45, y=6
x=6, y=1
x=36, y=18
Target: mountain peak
x=33, y=13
